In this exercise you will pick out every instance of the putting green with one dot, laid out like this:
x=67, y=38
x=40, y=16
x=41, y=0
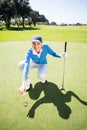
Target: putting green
x=48, y=107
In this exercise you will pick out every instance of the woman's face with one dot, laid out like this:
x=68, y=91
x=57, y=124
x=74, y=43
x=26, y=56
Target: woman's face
x=37, y=46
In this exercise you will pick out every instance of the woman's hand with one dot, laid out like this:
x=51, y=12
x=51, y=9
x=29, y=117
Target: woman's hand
x=64, y=55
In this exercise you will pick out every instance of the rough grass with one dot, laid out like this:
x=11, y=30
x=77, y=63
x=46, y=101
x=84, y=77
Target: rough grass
x=48, y=107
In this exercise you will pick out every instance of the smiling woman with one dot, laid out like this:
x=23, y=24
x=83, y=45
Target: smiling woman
x=37, y=44
x=37, y=47
x=36, y=57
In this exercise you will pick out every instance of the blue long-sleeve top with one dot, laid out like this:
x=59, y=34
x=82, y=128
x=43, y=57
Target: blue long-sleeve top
x=37, y=59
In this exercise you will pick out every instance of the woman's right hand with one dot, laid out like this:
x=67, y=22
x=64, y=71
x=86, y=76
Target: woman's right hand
x=22, y=89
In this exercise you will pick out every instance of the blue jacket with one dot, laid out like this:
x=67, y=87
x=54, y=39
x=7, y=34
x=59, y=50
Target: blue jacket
x=38, y=59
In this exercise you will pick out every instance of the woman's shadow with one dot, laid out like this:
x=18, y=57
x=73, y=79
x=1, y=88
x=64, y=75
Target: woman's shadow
x=52, y=94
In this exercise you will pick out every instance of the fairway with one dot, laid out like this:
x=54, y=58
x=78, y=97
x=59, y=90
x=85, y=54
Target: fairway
x=48, y=107
x=49, y=33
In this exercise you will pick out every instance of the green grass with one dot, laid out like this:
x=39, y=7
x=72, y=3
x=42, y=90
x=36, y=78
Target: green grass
x=54, y=113
x=50, y=33
x=66, y=110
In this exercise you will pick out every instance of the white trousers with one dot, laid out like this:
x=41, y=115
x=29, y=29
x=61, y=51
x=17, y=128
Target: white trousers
x=42, y=69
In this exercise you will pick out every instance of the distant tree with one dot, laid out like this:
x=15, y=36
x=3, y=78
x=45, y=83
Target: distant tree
x=7, y=10
x=34, y=16
x=19, y=9
x=53, y=23
x=43, y=19
x=63, y=24
x=78, y=24
x=23, y=9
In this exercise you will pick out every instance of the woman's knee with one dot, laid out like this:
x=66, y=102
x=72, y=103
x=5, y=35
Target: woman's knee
x=21, y=65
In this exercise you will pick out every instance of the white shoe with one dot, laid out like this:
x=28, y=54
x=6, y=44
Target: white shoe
x=43, y=81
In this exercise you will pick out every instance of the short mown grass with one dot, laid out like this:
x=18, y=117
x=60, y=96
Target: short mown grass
x=48, y=108
x=50, y=33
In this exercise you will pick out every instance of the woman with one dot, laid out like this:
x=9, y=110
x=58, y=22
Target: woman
x=36, y=58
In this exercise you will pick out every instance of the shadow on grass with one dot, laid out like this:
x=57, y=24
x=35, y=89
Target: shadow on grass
x=22, y=29
x=52, y=94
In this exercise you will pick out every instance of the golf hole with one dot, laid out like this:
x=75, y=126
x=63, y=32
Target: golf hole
x=25, y=104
